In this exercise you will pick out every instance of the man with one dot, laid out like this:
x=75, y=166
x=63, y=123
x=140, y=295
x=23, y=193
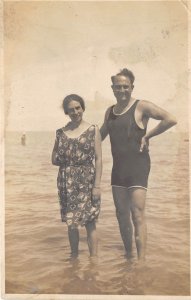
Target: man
x=126, y=124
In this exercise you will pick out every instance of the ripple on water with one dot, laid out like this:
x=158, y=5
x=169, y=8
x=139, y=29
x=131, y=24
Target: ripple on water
x=37, y=247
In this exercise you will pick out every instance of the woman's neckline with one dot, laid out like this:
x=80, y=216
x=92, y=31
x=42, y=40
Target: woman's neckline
x=77, y=137
x=125, y=110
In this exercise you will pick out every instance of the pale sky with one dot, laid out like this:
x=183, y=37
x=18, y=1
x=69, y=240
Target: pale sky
x=52, y=49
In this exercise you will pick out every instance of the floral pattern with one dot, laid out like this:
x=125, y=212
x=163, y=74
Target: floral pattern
x=76, y=177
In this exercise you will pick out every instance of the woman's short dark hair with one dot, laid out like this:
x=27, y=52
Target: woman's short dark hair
x=125, y=72
x=72, y=97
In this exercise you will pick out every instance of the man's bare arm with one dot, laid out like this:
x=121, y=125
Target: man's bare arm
x=167, y=120
x=104, y=130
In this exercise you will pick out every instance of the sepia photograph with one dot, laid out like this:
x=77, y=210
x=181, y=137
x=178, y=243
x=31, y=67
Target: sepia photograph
x=95, y=150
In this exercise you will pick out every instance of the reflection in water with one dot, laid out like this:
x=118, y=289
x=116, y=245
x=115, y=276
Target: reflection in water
x=81, y=278
x=90, y=278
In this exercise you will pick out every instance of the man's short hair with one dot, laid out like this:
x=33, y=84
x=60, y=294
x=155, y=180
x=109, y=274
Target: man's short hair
x=124, y=72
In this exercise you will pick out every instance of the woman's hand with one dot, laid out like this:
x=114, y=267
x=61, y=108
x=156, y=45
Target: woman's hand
x=96, y=196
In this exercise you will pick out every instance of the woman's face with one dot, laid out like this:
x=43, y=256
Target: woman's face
x=75, y=111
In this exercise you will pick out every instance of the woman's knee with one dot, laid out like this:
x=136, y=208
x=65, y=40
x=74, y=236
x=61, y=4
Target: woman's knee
x=90, y=226
x=72, y=229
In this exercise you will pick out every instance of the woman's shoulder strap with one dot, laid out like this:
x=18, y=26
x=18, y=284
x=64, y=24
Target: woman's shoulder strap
x=59, y=132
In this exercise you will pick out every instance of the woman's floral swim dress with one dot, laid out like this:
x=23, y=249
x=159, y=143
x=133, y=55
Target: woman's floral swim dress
x=76, y=177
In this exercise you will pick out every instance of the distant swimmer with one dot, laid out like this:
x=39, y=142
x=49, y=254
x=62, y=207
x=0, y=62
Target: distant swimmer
x=23, y=139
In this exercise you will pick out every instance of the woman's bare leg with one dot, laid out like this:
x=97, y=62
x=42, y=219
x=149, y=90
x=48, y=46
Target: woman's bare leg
x=92, y=238
x=73, y=235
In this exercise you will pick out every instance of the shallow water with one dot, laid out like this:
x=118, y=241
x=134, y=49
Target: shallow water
x=36, y=242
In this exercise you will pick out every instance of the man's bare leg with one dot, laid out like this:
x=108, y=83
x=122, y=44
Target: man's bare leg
x=137, y=199
x=122, y=204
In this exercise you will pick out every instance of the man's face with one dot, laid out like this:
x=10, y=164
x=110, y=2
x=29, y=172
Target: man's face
x=122, y=88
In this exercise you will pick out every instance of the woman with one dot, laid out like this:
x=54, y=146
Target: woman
x=77, y=152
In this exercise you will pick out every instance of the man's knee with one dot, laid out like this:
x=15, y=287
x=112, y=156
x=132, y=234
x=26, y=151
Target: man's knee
x=138, y=216
x=123, y=216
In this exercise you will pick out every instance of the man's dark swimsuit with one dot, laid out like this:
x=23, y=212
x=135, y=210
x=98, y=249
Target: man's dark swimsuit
x=130, y=166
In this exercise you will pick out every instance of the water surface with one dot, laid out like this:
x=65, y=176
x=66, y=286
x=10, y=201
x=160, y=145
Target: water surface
x=36, y=242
